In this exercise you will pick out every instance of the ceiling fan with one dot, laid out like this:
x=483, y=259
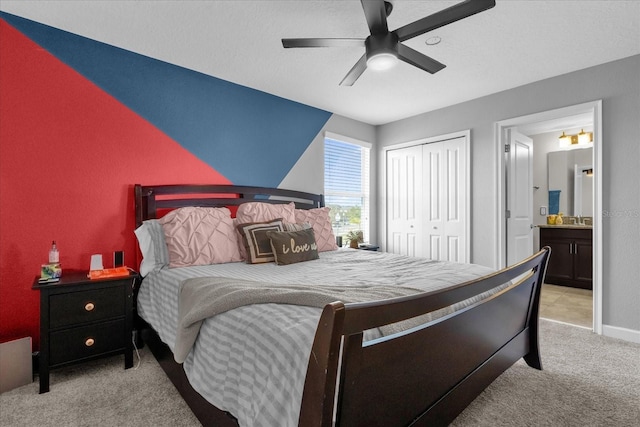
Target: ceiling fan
x=384, y=47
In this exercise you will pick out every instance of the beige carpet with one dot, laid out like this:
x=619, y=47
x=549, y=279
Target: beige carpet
x=588, y=380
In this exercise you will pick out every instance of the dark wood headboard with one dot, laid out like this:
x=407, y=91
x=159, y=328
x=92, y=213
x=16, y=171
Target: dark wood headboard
x=151, y=198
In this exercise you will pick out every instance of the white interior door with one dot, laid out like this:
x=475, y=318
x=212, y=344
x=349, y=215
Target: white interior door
x=404, y=201
x=445, y=200
x=519, y=189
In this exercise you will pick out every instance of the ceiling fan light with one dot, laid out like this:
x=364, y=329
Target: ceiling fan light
x=382, y=61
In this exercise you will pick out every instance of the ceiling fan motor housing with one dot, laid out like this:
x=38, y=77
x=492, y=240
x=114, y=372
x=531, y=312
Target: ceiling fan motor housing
x=377, y=44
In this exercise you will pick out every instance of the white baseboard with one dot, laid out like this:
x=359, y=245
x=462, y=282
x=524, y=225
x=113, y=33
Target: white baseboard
x=621, y=333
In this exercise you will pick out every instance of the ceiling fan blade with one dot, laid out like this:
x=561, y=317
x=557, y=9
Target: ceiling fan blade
x=375, y=12
x=322, y=42
x=355, y=72
x=444, y=17
x=417, y=59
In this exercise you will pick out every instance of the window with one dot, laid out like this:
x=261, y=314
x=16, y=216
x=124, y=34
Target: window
x=346, y=184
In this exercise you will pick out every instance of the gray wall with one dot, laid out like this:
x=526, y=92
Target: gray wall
x=618, y=85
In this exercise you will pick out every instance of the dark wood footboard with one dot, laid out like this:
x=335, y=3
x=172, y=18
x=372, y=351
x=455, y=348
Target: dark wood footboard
x=427, y=375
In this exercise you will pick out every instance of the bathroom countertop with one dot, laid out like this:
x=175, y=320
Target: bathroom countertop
x=579, y=226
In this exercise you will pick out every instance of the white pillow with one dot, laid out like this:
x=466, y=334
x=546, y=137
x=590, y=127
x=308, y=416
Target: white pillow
x=155, y=255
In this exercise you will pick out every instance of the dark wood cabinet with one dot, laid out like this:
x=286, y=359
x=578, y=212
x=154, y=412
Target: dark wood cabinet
x=83, y=319
x=571, y=261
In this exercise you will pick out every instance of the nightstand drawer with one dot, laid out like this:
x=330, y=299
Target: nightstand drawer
x=86, y=306
x=86, y=341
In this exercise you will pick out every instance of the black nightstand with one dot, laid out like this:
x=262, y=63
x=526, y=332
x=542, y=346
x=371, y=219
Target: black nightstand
x=83, y=319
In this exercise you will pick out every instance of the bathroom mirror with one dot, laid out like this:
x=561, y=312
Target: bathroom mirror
x=570, y=181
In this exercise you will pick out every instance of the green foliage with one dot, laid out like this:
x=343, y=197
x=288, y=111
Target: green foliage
x=350, y=215
x=355, y=235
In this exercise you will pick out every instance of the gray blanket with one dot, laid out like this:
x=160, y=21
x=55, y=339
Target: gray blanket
x=205, y=297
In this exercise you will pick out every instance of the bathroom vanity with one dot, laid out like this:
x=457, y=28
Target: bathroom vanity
x=571, y=261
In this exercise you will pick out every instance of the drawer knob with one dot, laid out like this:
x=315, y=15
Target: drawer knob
x=89, y=342
x=89, y=306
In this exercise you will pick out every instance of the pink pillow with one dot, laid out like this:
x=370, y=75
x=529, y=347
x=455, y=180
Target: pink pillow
x=200, y=236
x=261, y=211
x=321, y=223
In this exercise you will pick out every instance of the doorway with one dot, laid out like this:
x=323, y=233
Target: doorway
x=594, y=112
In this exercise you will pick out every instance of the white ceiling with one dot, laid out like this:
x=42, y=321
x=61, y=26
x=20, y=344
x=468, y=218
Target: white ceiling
x=515, y=43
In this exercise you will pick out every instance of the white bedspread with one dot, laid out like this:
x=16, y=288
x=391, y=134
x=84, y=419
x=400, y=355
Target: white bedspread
x=252, y=361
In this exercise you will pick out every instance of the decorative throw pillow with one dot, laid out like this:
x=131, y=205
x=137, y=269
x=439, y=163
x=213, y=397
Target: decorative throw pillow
x=290, y=247
x=321, y=223
x=256, y=242
x=152, y=245
x=200, y=236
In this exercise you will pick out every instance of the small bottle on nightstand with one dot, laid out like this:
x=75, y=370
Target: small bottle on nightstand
x=54, y=255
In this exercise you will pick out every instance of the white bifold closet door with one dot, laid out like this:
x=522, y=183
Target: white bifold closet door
x=427, y=200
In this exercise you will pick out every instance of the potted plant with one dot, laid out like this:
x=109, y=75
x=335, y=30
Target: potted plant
x=355, y=237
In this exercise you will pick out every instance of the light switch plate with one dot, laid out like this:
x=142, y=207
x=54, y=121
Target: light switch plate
x=543, y=210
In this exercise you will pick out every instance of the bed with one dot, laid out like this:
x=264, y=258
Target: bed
x=426, y=339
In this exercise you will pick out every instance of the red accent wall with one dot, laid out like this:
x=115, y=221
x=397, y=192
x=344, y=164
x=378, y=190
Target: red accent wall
x=69, y=156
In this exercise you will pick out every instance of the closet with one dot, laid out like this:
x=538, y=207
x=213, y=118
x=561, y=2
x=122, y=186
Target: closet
x=427, y=200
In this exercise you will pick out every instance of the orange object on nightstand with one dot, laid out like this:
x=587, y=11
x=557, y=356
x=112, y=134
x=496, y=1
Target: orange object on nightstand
x=108, y=272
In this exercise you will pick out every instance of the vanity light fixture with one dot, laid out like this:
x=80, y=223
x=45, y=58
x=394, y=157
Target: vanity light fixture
x=566, y=140
x=580, y=139
x=585, y=138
